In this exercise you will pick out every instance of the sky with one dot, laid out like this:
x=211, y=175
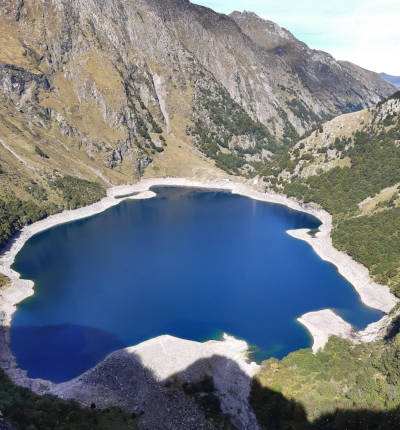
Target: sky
x=365, y=32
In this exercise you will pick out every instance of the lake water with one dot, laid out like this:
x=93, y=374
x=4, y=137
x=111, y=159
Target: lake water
x=190, y=263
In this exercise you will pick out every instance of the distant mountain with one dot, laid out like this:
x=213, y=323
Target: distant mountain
x=394, y=80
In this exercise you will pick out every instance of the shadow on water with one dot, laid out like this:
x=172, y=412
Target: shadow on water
x=54, y=346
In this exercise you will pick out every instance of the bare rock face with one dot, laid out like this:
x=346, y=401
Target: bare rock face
x=110, y=81
x=173, y=384
x=309, y=82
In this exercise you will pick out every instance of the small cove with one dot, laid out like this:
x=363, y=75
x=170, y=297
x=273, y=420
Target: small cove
x=190, y=263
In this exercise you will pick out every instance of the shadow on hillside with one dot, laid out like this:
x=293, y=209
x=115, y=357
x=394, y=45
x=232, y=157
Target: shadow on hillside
x=275, y=412
x=393, y=329
x=165, y=385
x=210, y=393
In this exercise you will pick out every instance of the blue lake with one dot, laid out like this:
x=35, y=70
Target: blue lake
x=190, y=263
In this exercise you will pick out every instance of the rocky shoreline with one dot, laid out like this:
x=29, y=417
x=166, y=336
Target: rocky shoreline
x=325, y=323
x=161, y=376
x=320, y=324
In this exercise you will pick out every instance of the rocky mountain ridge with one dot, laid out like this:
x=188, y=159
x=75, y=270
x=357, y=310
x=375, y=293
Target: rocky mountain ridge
x=105, y=88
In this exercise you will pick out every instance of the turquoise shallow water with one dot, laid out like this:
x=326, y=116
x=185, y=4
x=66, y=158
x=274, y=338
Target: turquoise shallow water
x=190, y=263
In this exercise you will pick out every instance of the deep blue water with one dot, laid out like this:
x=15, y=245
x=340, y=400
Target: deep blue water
x=190, y=263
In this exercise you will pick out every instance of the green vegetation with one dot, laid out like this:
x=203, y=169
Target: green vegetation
x=302, y=111
x=145, y=121
x=229, y=162
x=205, y=395
x=78, y=192
x=220, y=123
x=375, y=165
x=4, y=280
x=290, y=135
x=29, y=411
x=374, y=241
x=36, y=191
x=157, y=148
x=40, y=152
x=395, y=96
x=330, y=389
x=313, y=231
x=16, y=213
x=227, y=114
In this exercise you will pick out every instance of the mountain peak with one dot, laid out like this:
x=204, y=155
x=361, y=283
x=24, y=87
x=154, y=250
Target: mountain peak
x=258, y=26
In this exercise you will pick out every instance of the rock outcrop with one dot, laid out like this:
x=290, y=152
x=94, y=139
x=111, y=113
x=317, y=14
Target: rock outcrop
x=173, y=384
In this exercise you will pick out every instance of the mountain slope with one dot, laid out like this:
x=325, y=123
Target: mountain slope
x=394, y=80
x=103, y=92
x=351, y=167
x=308, y=81
x=344, y=387
x=109, y=77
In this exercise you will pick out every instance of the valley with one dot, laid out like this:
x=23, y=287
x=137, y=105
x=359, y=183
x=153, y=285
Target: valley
x=100, y=100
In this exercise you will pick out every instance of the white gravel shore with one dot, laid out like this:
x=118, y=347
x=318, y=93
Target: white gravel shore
x=325, y=323
x=372, y=294
x=144, y=379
